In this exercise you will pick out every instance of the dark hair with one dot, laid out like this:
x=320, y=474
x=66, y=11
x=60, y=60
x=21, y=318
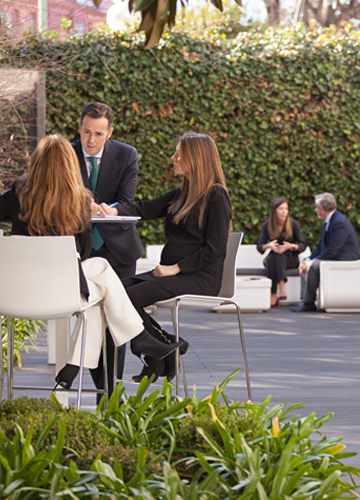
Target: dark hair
x=98, y=110
x=273, y=224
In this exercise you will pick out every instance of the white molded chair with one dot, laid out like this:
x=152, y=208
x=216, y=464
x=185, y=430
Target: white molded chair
x=40, y=281
x=225, y=296
x=339, y=287
x=153, y=252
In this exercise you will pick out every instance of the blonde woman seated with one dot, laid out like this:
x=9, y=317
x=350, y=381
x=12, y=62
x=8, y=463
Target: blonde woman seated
x=283, y=236
x=51, y=201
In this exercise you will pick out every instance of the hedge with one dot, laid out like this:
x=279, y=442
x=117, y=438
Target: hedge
x=283, y=107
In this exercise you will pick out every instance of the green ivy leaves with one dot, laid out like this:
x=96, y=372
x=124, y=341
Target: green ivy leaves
x=283, y=107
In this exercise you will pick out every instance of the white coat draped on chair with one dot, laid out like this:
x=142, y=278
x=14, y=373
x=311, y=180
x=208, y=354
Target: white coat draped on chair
x=118, y=313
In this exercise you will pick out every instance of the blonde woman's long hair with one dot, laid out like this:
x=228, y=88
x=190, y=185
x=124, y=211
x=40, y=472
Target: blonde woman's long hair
x=53, y=199
x=272, y=226
x=202, y=165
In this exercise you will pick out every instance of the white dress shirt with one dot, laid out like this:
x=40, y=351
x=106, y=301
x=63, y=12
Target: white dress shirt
x=88, y=162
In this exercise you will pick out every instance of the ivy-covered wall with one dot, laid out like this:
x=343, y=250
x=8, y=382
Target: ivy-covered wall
x=283, y=107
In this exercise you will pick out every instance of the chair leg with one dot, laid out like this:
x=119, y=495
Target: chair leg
x=10, y=356
x=82, y=358
x=243, y=348
x=106, y=384
x=178, y=360
x=184, y=377
x=115, y=382
x=175, y=319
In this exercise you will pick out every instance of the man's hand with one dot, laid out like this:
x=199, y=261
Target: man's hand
x=304, y=267
x=95, y=209
x=106, y=210
x=161, y=271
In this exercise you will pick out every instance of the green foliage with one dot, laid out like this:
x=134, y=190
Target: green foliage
x=283, y=462
x=24, y=331
x=246, y=451
x=82, y=431
x=143, y=420
x=189, y=438
x=283, y=107
x=27, y=471
x=84, y=440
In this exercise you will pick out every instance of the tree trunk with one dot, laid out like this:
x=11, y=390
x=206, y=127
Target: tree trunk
x=273, y=11
x=324, y=13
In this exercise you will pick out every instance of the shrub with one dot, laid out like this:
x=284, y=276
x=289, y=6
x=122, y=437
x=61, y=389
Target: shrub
x=127, y=457
x=277, y=460
x=283, y=462
x=82, y=431
x=24, y=331
x=253, y=452
x=85, y=438
x=189, y=438
x=283, y=107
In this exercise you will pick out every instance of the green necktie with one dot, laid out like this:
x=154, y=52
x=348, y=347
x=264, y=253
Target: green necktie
x=97, y=239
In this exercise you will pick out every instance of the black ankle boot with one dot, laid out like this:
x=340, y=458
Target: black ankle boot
x=167, y=338
x=66, y=376
x=146, y=345
x=170, y=361
x=153, y=366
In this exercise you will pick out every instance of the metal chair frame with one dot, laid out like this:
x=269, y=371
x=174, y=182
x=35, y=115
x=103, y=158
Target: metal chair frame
x=226, y=294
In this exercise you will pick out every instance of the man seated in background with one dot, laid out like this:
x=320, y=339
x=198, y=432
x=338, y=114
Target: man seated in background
x=338, y=241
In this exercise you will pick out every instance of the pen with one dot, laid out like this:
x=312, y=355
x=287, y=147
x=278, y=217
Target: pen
x=113, y=204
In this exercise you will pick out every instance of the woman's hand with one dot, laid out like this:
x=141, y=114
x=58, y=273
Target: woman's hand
x=161, y=271
x=106, y=210
x=285, y=246
x=273, y=245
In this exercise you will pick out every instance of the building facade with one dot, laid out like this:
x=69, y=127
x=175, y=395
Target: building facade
x=65, y=17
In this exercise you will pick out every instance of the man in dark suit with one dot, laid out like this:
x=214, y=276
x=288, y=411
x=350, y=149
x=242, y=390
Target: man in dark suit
x=338, y=241
x=109, y=169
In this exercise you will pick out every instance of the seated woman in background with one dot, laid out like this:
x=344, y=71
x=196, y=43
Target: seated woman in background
x=283, y=236
x=197, y=223
x=52, y=201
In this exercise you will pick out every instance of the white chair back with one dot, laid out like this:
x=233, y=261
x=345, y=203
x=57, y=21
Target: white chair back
x=153, y=252
x=39, y=277
x=248, y=257
x=228, y=281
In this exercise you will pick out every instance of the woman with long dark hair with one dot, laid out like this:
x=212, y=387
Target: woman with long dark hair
x=52, y=201
x=282, y=235
x=197, y=223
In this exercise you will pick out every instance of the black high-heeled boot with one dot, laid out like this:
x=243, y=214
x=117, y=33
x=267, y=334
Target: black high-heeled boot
x=66, y=376
x=153, y=366
x=146, y=345
x=167, y=338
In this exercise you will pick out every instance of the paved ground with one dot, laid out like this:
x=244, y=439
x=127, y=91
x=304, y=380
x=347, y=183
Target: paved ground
x=312, y=358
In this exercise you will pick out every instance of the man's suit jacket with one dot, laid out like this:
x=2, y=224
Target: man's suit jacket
x=116, y=182
x=339, y=242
